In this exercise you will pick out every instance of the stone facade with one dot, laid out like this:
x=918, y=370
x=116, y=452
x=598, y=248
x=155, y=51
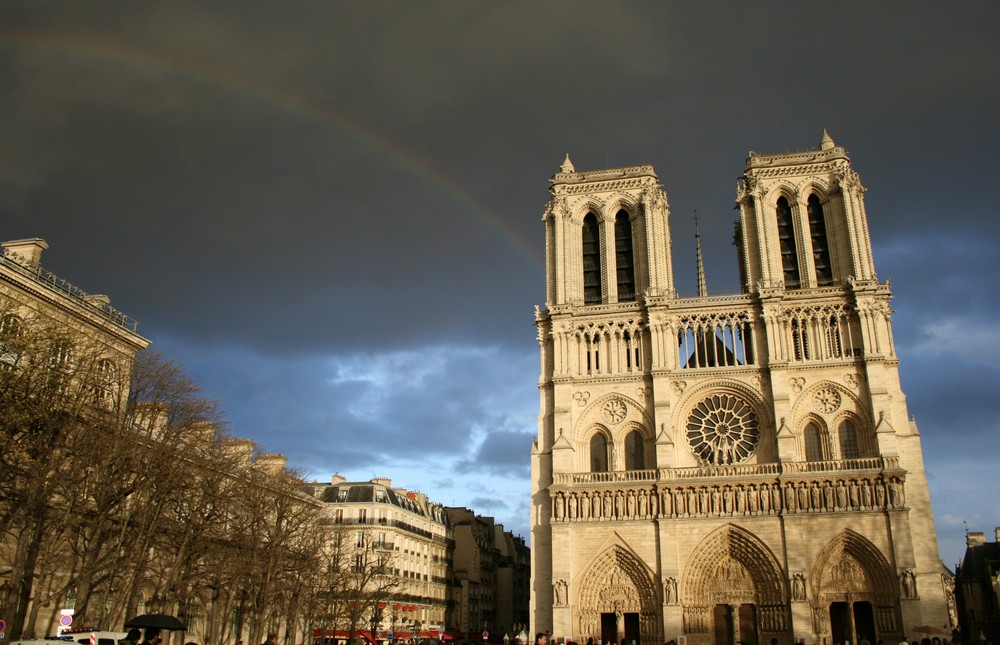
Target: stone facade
x=414, y=535
x=725, y=468
x=977, y=588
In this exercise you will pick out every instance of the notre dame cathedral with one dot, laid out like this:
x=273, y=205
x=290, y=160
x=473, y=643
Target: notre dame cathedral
x=728, y=468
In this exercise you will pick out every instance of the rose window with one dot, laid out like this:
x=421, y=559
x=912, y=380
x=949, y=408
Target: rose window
x=723, y=429
x=614, y=411
x=827, y=399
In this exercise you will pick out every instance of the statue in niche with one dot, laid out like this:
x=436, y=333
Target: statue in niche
x=560, y=588
x=866, y=493
x=572, y=506
x=879, y=494
x=765, y=498
x=790, y=496
x=585, y=506
x=670, y=591
x=559, y=506
x=908, y=583
x=643, y=504
x=798, y=587
x=828, y=495
x=653, y=501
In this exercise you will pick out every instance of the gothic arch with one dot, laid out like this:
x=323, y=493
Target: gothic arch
x=865, y=432
x=589, y=205
x=616, y=581
x=595, y=415
x=867, y=575
x=848, y=569
x=733, y=566
x=782, y=188
x=622, y=202
x=829, y=408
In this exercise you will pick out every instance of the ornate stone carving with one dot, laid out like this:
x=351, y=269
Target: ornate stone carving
x=827, y=400
x=670, y=591
x=798, y=587
x=851, y=380
x=723, y=429
x=581, y=398
x=614, y=411
x=678, y=387
x=908, y=584
x=560, y=592
x=796, y=383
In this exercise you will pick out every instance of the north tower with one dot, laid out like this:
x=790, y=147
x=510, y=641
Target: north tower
x=729, y=468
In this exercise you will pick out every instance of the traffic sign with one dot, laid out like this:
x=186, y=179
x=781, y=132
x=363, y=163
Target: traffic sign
x=66, y=620
x=388, y=636
x=3, y=626
x=486, y=636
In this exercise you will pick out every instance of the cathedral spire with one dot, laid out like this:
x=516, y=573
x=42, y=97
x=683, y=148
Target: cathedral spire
x=827, y=141
x=702, y=285
x=567, y=165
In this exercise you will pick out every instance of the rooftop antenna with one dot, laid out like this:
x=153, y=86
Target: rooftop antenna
x=702, y=285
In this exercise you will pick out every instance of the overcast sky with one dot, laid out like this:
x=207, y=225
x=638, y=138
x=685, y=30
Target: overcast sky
x=329, y=212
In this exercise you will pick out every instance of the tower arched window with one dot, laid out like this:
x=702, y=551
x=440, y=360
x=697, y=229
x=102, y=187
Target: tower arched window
x=786, y=243
x=815, y=450
x=592, y=291
x=821, y=248
x=635, y=453
x=598, y=453
x=848, y=435
x=624, y=261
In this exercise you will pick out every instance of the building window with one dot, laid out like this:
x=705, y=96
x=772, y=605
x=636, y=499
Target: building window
x=624, y=262
x=362, y=515
x=598, y=453
x=814, y=443
x=821, y=248
x=848, y=440
x=635, y=455
x=592, y=289
x=786, y=243
x=339, y=516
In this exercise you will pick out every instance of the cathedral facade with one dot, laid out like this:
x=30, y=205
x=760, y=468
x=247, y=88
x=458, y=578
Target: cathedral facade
x=725, y=468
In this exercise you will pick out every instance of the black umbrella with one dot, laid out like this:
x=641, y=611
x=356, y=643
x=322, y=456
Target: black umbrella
x=157, y=621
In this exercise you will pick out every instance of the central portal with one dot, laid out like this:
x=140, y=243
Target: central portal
x=624, y=631
x=733, y=624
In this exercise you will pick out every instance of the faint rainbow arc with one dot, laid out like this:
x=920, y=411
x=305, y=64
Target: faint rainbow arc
x=270, y=96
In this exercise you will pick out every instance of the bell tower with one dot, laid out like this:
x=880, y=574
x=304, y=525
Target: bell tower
x=802, y=220
x=730, y=468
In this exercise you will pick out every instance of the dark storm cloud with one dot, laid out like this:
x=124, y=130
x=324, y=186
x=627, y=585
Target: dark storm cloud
x=330, y=212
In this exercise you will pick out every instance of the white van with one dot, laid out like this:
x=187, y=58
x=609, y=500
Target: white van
x=83, y=638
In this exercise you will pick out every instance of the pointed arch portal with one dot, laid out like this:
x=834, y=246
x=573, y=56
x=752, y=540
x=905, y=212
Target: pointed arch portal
x=617, y=600
x=854, y=591
x=734, y=590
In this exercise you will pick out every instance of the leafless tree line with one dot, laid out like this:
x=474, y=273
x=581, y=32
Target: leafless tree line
x=118, y=496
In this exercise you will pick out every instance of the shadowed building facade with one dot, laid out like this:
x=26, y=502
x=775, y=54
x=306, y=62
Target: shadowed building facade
x=729, y=468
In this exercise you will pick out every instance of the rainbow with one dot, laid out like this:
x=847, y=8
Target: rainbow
x=286, y=102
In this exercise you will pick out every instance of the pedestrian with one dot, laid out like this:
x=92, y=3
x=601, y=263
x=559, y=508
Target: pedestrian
x=541, y=639
x=272, y=637
x=132, y=638
x=152, y=636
